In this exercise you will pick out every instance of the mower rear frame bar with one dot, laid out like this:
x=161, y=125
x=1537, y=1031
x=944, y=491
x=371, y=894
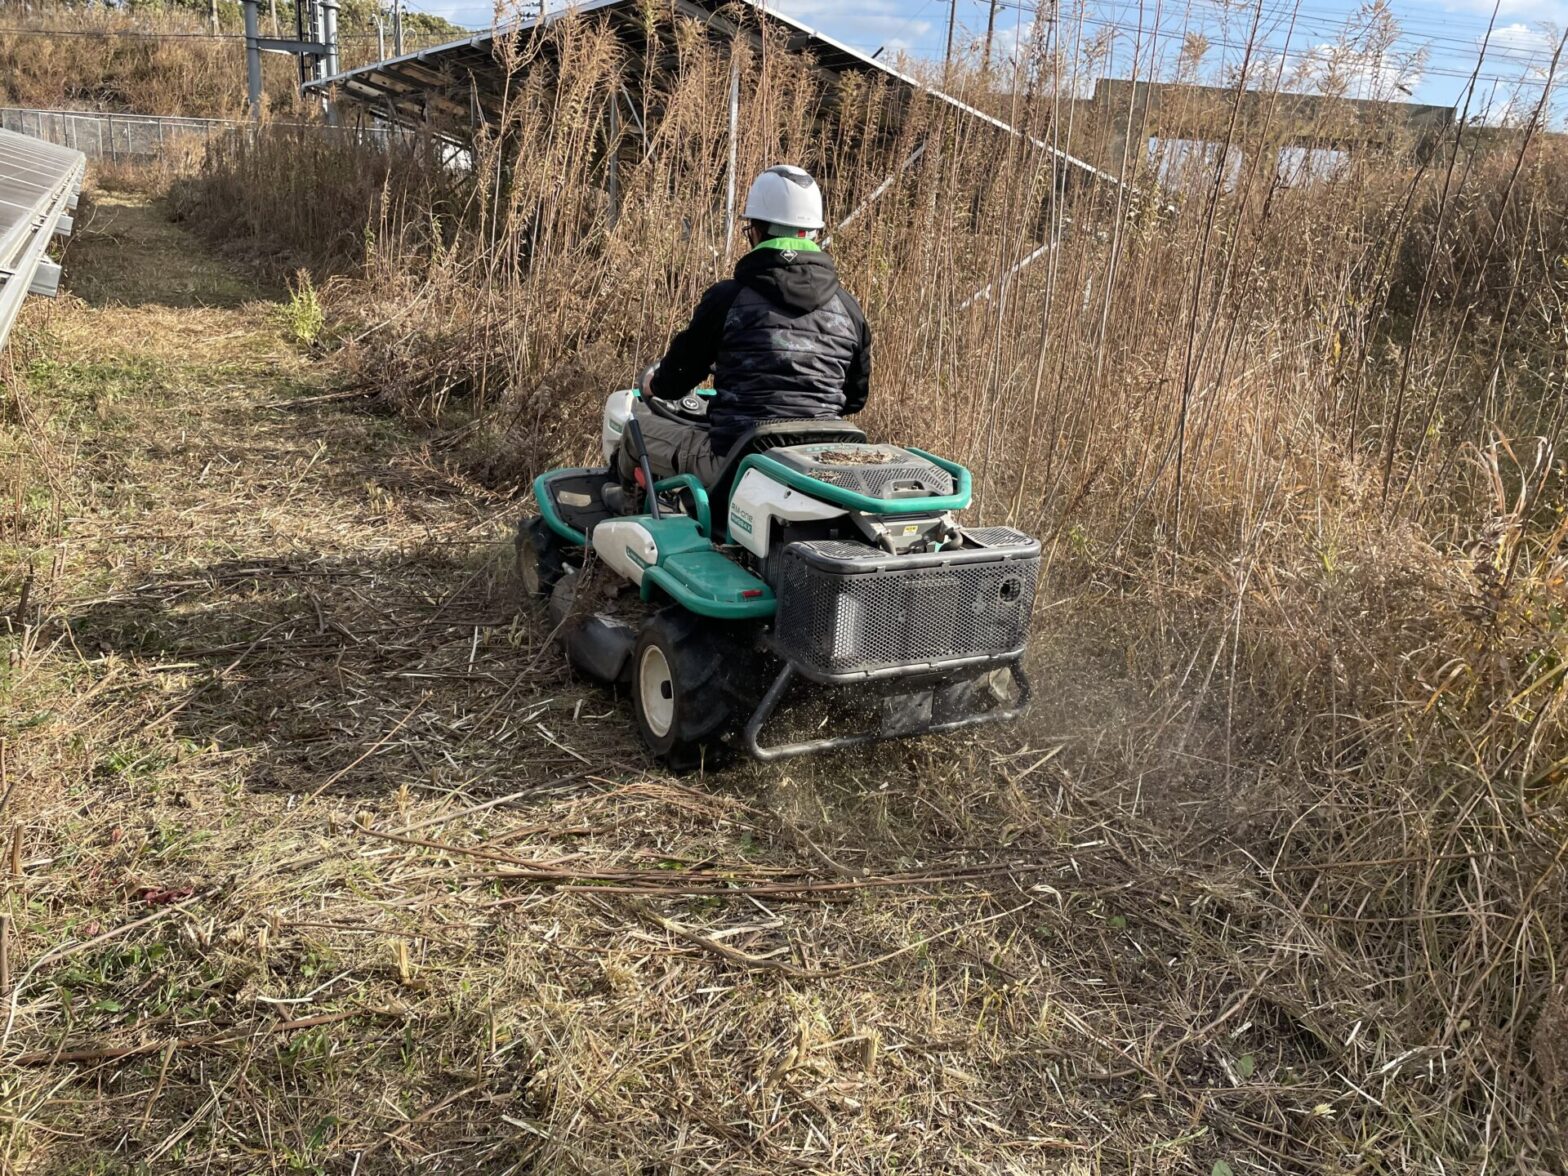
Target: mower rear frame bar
x=786, y=677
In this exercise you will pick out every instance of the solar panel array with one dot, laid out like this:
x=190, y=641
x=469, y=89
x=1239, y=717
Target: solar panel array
x=460, y=81
x=38, y=186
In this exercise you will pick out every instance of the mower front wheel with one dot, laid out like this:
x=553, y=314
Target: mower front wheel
x=681, y=694
x=541, y=557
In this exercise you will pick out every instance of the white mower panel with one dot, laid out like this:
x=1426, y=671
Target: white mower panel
x=758, y=500
x=621, y=543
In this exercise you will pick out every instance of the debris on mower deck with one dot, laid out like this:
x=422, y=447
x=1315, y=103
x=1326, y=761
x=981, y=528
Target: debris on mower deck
x=813, y=557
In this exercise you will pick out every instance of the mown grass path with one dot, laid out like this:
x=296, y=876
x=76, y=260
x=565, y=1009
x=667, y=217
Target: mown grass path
x=327, y=865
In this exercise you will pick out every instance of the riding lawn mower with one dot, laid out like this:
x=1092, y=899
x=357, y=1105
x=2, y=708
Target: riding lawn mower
x=815, y=570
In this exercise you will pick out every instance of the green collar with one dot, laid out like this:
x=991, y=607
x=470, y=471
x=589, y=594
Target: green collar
x=797, y=244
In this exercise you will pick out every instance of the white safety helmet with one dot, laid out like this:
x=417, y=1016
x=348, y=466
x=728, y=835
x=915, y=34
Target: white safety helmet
x=785, y=196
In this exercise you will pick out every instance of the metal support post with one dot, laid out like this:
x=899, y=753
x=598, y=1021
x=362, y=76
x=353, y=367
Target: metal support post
x=397, y=27
x=729, y=202
x=299, y=35
x=613, y=151
x=253, y=58
x=330, y=16
x=318, y=63
x=318, y=34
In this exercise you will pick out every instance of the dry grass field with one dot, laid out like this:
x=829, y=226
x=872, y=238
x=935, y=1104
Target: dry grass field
x=325, y=863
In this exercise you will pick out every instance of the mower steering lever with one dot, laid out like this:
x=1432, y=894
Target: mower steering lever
x=644, y=466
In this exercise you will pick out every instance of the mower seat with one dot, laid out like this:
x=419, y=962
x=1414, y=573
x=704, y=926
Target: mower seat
x=766, y=435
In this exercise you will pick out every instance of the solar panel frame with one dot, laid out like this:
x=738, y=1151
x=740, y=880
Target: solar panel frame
x=383, y=83
x=38, y=186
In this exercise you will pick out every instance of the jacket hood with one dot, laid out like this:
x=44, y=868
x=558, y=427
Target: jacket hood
x=794, y=280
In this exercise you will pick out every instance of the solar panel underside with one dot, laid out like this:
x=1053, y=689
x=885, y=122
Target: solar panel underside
x=32, y=172
x=38, y=182
x=450, y=86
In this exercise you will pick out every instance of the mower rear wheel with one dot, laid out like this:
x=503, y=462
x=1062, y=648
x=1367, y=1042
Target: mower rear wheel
x=541, y=557
x=681, y=693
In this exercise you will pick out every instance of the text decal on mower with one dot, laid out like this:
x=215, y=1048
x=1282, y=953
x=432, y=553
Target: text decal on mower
x=741, y=519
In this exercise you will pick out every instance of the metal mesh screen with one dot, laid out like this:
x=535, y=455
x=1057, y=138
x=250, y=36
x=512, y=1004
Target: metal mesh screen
x=874, y=478
x=996, y=536
x=932, y=479
x=843, y=624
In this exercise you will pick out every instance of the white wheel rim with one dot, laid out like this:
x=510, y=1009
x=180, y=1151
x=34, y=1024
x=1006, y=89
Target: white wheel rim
x=656, y=686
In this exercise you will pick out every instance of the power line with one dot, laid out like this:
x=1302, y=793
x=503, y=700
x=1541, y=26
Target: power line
x=1154, y=34
x=1327, y=23
x=1309, y=24
x=145, y=35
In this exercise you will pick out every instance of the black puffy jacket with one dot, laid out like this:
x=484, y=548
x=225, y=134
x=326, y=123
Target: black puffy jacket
x=782, y=338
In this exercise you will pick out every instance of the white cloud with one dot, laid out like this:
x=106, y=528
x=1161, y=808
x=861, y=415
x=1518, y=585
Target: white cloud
x=1355, y=73
x=1010, y=41
x=867, y=24
x=1521, y=43
x=1529, y=11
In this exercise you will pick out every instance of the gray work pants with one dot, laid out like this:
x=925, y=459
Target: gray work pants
x=673, y=448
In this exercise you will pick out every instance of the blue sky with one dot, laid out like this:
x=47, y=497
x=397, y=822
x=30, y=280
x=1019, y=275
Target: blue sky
x=1446, y=33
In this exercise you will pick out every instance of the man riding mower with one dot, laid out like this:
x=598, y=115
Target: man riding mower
x=751, y=540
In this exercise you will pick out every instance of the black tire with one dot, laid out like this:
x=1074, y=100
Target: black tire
x=684, y=674
x=541, y=557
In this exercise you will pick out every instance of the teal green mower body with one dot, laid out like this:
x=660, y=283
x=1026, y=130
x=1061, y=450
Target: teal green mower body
x=816, y=569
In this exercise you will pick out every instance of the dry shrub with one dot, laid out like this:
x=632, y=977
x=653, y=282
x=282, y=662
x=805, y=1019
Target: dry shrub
x=151, y=62
x=1264, y=435
x=264, y=187
x=162, y=59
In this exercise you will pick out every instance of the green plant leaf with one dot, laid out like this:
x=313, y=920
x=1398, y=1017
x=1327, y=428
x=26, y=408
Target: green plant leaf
x=1221, y=1168
x=1245, y=1065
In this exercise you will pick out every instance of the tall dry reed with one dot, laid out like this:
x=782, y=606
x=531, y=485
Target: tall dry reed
x=1293, y=449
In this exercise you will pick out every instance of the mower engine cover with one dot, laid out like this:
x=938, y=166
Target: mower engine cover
x=760, y=499
x=877, y=471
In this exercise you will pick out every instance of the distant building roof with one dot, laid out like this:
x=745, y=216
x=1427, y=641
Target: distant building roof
x=450, y=80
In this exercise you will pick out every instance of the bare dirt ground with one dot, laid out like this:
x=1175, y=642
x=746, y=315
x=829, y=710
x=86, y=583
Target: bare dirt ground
x=327, y=865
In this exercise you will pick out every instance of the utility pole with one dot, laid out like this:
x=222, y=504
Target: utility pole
x=253, y=60
x=990, y=31
x=947, y=58
x=397, y=27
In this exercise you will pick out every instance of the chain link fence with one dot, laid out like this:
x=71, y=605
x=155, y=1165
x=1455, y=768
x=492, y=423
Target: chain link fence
x=143, y=138
x=119, y=138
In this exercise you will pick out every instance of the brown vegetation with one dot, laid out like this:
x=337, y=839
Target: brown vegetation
x=1288, y=893
x=1293, y=450
x=160, y=59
